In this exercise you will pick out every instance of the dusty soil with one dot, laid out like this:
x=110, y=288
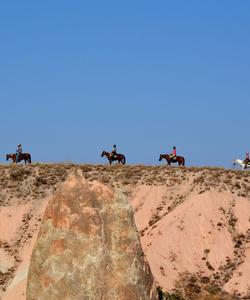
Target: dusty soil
x=194, y=224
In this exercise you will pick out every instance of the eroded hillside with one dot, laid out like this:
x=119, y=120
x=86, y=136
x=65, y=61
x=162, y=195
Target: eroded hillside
x=194, y=223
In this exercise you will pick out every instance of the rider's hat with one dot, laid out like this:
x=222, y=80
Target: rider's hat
x=174, y=147
x=19, y=145
x=114, y=146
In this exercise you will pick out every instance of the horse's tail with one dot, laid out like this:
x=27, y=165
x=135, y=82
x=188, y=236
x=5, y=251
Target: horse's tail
x=29, y=158
x=124, y=160
x=183, y=161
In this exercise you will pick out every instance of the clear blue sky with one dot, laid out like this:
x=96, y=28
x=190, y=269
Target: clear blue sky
x=78, y=76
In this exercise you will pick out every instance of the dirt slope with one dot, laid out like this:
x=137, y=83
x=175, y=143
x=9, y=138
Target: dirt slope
x=194, y=224
x=24, y=193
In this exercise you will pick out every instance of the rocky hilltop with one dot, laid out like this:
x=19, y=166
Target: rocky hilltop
x=69, y=230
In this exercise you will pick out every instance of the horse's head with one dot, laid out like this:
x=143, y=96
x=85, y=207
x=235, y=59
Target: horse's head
x=103, y=153
x=8, y=156
x=238, y=161
x=166, y=156
x=11, y=156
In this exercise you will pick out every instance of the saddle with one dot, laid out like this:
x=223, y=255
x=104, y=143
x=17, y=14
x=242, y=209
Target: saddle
x=246, y=161
x=113, y=156
x=173, y=159
x=19, y=157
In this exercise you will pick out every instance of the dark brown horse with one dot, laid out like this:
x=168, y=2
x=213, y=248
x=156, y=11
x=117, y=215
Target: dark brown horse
x=24, y=156
x=179, y=159
x=118, y=157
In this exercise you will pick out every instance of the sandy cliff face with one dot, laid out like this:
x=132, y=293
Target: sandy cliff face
x=88, y=247
x=194, y=226
x=195, y=232
x=24, y=194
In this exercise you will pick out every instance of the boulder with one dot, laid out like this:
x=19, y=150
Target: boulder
x=88, y=247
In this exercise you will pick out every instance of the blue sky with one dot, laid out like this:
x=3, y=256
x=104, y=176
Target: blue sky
x=78, y=76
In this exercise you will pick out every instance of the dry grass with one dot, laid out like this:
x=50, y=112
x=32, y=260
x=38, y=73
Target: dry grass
x=20, y=184
x=36, y=180
x=198, y=287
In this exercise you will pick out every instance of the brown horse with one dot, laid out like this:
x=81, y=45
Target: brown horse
x=118, y=157
x=23, y=156
x=179, y=159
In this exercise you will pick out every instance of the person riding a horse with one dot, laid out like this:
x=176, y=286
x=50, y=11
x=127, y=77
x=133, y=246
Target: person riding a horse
x=247, y=159
x=113, y=153
x=173, y=154
x=114, y=156
x=19, y=152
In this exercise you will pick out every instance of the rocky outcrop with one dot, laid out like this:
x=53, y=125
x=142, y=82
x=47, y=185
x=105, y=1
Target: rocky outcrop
x=88, y=247
x=194, y=226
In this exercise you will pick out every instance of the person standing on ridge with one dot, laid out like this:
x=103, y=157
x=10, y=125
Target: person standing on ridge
x=173, y=154
x=19, y=152
x=247, y=159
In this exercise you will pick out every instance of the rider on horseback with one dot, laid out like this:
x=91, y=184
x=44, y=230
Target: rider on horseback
x=19, y=151
x=172, y=156
x=247, y=160
x=113, y=152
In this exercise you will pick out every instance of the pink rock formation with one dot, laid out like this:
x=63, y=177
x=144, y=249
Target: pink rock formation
x=19, y=226
x=88, y=247
x=194, y=225
x=203, y=234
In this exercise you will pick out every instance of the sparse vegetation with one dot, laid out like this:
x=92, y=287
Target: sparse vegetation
x=21, y=184
x=168, y=296
x=196, y=287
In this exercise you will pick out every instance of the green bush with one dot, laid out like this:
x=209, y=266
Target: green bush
x=168, y=296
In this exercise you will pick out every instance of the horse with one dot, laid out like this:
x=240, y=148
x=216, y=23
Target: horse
x=23, y=156
x=241, y=163
x=179, y=159
x=118, y=157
